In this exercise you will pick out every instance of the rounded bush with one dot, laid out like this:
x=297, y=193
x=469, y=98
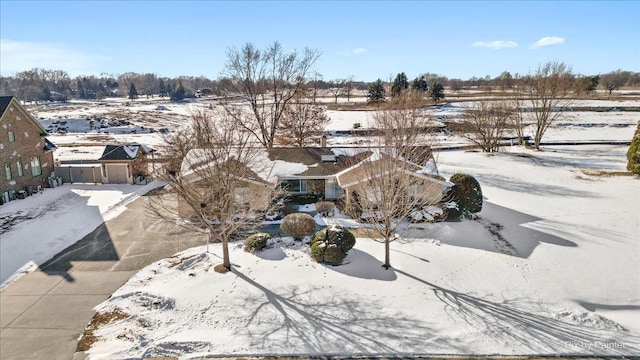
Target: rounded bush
x=325, y=207
x=331, y=244
x=467, y=193
x=333, y=255
x=298, y=225
x=256, y=242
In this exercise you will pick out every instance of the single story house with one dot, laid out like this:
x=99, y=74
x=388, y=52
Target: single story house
x=325, y=173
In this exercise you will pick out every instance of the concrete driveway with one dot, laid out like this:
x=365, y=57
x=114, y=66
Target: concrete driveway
x=44, y=312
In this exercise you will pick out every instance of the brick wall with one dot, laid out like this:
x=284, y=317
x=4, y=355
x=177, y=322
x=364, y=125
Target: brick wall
x=27, y=143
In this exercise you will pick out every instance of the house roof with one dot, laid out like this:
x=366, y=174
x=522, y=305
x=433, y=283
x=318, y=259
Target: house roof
x=123, y=152
x=312, y=157
x=275, y=164
x=383, y=163
x=48, y=145
x=4, y=103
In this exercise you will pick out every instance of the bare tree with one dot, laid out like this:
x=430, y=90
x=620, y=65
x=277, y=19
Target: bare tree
x=395, y=179
x=262, y=83
x=547, y=91
x=614, y=80
x=215, y=173
x=485, y=122
x=401, y=121
x=517, y=102
x=303, y=123
x=337, y=89
x=455, y=85
x=348, y=87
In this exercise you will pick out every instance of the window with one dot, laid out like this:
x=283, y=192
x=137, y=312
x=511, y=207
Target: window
x=7, y=171
x=12, y=136
x=242, y=197
x=19, y=167
x=294, y=185
x=35, y=166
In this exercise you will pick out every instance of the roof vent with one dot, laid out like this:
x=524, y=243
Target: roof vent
x=328, y=158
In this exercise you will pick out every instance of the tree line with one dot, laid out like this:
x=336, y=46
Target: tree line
x=56, y=85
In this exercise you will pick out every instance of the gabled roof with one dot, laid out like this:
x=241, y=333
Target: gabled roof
x=312, y=157
x=381, y=161
x=5, y=101
x=274, y=164
x=123, y=152
x=48, y=145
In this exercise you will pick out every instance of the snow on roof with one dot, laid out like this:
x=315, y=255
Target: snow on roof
x=266, y=169
x=124, y=152
x=131, y=150
x=430, y=168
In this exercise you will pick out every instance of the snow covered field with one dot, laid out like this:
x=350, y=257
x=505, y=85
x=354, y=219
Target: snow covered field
x=33, y=230
x=551, y=267
x=81, y=129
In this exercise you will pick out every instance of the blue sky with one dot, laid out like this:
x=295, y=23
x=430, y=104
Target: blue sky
x=367, y=39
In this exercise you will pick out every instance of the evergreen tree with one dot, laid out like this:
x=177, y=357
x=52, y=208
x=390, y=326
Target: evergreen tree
x=133, y=93
x=162, y=89
x=436, y=92
x=633, y=154
x=400, y=84
x=179, y=93
x=420, y=84
x=46, y=94
x=376, y=92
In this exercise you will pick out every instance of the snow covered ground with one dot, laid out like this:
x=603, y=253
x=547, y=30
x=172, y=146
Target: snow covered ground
x=33, y=230
x=80, y=125
x=550, y=267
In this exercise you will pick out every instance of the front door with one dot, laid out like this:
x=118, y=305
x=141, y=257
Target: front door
x=330, y=189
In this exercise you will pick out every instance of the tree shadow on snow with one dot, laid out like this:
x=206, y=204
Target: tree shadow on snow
x=519, y=185
x=363, y=265
x=273, y=253
x=317, y=322
x=498, y=229
x=536, y=329
x=595, y=306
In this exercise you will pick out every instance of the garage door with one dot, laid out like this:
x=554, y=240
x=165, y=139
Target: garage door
x=117, y=174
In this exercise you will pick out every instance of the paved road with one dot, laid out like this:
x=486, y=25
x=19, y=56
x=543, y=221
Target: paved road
x=44, y=312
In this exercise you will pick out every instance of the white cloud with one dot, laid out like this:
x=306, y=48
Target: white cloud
x=25, y=55
x=547, y=40
x=497, y=44
x=356, y=51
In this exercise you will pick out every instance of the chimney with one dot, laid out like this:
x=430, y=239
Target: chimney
x=323, y=141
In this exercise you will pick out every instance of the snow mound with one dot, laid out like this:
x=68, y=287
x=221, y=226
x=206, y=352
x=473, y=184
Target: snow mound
x=588, y=319
x=144, y=300
x=176, y=348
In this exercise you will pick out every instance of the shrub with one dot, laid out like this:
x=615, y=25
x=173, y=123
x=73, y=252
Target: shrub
x=331, y=244
x=256, y=242
x=633, y=154
x=298, y=225
x=325, y=207
x=428, y=213
x=451, y=211
x=467, y=193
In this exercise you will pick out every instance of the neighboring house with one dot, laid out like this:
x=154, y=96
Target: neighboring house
x=325, y=173
x=124, y=164
x=26, y=156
